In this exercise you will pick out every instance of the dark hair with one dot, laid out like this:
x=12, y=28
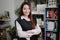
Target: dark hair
x=30, y=15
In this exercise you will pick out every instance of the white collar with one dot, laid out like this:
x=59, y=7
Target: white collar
x=22, y=17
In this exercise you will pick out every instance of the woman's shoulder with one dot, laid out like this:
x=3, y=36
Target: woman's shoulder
x=18, y=19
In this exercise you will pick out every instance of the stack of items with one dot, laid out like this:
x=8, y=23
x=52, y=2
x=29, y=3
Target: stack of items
x=51, y=3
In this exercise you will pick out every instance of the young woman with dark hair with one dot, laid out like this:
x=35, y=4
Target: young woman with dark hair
x=27, y=29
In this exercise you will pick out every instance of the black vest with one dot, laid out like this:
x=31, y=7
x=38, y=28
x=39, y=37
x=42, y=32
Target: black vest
x=26, y=25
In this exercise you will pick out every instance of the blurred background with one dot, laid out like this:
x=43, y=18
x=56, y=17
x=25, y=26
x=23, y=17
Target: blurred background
x=40, y=11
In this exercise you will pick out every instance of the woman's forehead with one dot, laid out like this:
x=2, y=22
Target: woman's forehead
x=26, y=6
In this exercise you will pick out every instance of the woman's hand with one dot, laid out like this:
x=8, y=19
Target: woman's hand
x=29, y=32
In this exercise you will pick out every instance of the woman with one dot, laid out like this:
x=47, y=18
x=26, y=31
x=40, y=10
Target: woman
x=27, y=29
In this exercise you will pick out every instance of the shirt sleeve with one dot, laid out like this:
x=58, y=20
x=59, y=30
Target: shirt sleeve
x=21, y=33
x=35, y=31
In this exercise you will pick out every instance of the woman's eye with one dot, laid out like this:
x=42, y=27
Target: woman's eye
x=24, y=8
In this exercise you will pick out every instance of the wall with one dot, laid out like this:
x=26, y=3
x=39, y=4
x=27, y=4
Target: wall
x=18, y=3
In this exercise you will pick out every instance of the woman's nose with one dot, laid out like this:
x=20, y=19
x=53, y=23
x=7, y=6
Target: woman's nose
x=26, y=10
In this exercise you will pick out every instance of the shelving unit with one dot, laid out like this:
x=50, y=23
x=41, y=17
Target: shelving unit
x=4, y=25
x=51, y=25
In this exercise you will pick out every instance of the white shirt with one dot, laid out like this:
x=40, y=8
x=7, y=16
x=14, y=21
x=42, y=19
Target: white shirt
x=25, y=34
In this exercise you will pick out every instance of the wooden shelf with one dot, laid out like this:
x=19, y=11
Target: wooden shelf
x=4, y=19
x=37, y=13
x=50, y=19
x=51, y=31
x=51, y=7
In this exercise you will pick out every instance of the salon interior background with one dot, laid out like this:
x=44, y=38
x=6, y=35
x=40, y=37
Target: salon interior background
x=11, y=5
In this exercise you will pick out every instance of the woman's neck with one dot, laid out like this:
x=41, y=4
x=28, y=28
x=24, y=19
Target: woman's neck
x=26, y=16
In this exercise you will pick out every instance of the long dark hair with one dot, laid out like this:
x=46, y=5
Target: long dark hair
x=30, y=15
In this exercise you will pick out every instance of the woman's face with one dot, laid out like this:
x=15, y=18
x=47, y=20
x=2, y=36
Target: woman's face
x=26, y=10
